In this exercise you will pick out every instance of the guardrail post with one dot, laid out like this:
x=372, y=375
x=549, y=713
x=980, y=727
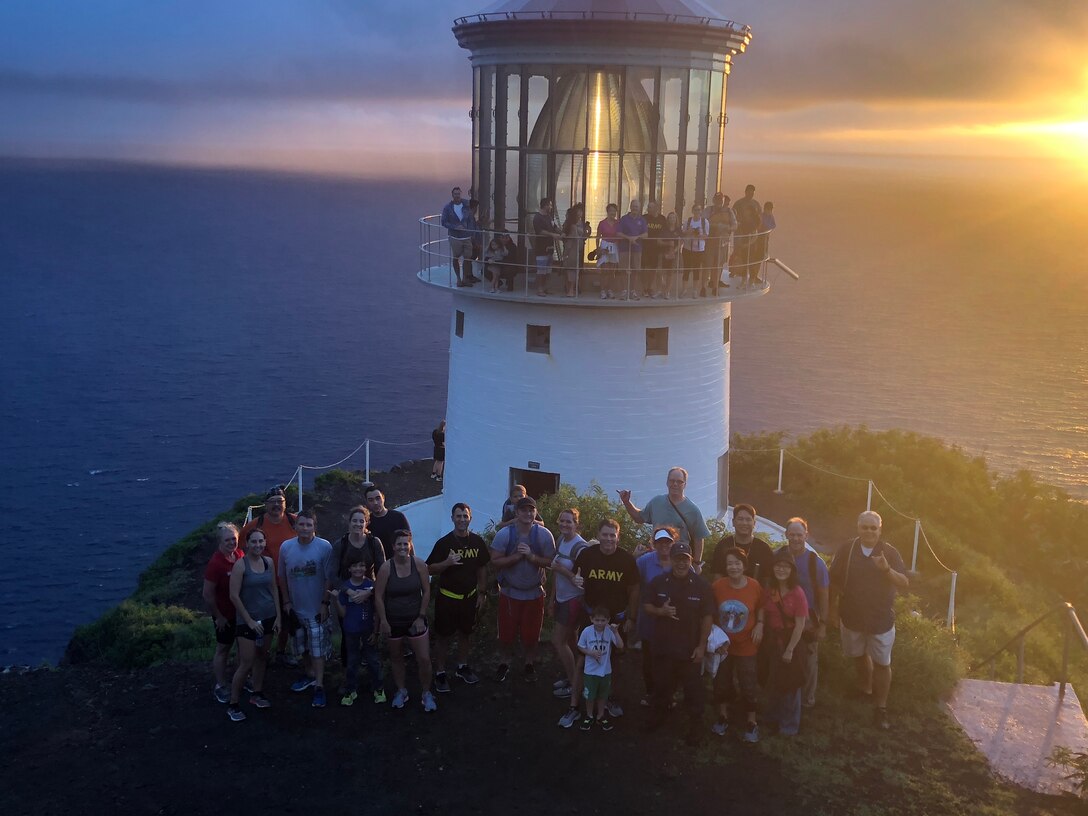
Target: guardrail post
x=249, y=516
x=869, y=497
x=781, y=460
x=950, y=621
x=368, y=460
x=300, y=488
x=914, y=558
x=1020, y=659
x=1065, y=655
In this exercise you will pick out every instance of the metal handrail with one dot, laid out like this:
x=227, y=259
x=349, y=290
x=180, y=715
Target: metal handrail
x=610, y=16
x=1072, y=624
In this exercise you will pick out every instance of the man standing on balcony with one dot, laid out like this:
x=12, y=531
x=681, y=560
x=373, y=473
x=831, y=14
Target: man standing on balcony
x=633, y=230
x=545, y=233
x=749, y=217
x=864, y=578
x=458, y=219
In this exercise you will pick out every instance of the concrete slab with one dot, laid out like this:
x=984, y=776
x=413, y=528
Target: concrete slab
x=1017, y=726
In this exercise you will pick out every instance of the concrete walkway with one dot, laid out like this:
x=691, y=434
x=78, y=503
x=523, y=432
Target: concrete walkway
x=1017, y=726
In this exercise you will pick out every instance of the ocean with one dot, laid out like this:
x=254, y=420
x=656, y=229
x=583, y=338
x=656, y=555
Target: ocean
x=173, y=338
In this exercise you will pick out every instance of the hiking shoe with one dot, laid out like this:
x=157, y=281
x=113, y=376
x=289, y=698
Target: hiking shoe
x=429, y=703
x=258, y=700
x=880, y=719
x=222, y=693
x=302, y=684
x=530, y=673
x=234, y=711
x=501, y=673
x=587, y=723
x=349, y=698
x=248, y=687
x=560, y=683
x=614, y=709
x=605, y=724
x=721, y=727
x=441, y=683
x=562, y=691
x=319, y=697
x=466, y=675
x=379, y=696
x=400, y=698
x=569, y=718
x=751, y=733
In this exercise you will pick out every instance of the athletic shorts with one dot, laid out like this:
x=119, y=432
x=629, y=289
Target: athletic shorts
x=454, y=615
x=313, y=638
x=878, y=647
x=400, y=629
x=596, y=688
x=247, y=633
x=569, y=613
x=226, y=635
x=543, y=264
x=522, y=618
x=460, y=247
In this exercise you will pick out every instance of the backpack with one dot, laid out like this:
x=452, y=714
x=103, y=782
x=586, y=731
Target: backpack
x=291, y=519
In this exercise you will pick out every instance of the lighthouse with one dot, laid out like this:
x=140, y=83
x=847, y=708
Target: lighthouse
x=591, y=102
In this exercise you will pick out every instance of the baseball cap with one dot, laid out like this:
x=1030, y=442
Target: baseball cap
x=525, y=501
x=662, y=535
x=680, y=548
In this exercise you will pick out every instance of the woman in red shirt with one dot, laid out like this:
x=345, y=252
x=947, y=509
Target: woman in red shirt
x=785, y=609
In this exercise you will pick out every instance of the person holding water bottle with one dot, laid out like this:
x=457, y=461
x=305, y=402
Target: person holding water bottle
x=256, y=598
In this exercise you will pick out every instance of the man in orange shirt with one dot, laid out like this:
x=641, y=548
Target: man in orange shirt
x=277, y=525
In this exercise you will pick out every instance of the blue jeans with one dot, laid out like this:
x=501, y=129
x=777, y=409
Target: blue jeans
x=361, y=649
x=785, y=709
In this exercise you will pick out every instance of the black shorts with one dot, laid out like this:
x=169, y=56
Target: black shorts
x=244, y=631
x=400, y=629
x=454, y=615
x=226, y=635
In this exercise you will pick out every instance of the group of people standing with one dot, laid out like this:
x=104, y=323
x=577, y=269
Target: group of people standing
x=750, y=617
x=636, y=256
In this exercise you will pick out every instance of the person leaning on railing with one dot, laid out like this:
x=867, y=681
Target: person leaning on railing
x=608, y=256
x=575, y=232
x=696, y=228
x=653, y=249
x=671, y=238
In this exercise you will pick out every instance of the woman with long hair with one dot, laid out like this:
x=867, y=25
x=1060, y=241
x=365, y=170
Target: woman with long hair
x=608, y=253
x=785, y=610
x=256, y=599
x=565, y=607
x=575, y=231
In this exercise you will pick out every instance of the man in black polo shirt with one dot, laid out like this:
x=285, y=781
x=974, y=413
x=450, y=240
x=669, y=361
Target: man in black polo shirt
x=383, y=521
x=682, y=604
x=760, y=556
x=460, y=560
x=610, y=579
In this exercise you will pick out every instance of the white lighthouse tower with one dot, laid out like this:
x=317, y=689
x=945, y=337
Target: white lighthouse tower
x=594, y=102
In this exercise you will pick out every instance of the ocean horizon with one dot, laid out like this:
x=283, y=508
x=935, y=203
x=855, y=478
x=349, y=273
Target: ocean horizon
x=175, y=338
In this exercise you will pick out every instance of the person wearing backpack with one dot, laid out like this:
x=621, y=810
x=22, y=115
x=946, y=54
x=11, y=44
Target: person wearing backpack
x=814, y=579
x=278, y=526
x=566, y=608
x=521, y=552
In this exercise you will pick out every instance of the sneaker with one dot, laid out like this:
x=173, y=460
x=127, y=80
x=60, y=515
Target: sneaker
x=605, y=724
x=248, y=687
x=319, y=697
x=587, y=723
x=614, y=709
x=751, y=733
x=302, y=684
x=561, y=691
x=569, y=718
x=466, y=675
x=441, y=683
x=429, y=703
x=379, y=697
x=501, y=673
x=222, y=693
x=258, y=700
x=721, y=727
x=349, y=698
x=560, y=683
x=530, y=673
x=234, y=711
x=400, y=698
x=880, y=719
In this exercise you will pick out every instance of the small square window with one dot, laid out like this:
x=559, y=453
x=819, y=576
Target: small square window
x=657, y=341
x=459, y=324
x=725, y=331
x=538, y=339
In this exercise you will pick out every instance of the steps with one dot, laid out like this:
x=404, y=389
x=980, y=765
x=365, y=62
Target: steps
x=1017, y=726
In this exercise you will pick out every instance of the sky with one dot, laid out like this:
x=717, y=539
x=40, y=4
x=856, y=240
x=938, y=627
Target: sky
x=380, y=87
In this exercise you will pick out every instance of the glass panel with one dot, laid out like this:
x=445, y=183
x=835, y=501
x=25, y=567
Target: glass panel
x=475, y=107
x=538, y=112
x=640, y=116
x=698, y=107
x=487, y=106
x=602, y=185
x=510, y=200
x=570, y=107
x=668, y=185
x=535, y=188
x=717, y=107
x=713, y=182
x=637, y=180
x=672, y=98
x=483, y=181
x=513, y=109
x=568, y=185
x=691, y=193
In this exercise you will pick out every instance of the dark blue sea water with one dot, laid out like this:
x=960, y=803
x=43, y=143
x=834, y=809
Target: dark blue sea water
x=174, y=338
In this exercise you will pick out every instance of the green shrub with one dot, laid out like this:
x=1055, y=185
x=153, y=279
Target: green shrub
x=135, y=635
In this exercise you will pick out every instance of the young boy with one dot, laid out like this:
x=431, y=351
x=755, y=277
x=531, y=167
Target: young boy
x=596, y=642
x=355, y=603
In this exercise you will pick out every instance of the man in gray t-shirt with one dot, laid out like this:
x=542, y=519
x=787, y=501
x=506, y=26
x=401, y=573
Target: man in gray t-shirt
x=675, y=510
x=307, y=572
x=521, y=553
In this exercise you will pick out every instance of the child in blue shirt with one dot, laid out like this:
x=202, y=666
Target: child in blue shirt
x=355, y=603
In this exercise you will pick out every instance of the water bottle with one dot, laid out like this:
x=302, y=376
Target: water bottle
x=259, y=642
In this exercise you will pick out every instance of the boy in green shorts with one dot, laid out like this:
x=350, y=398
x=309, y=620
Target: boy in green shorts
x=596, y=642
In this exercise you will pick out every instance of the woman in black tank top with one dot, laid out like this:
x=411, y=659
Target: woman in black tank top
x=402, y=593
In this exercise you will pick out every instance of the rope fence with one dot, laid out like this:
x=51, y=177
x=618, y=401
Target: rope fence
x=919, y=531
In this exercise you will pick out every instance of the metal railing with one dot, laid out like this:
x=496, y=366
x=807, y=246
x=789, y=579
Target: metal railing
x=1072, y=626
x=607, y=16
x=581, y=266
